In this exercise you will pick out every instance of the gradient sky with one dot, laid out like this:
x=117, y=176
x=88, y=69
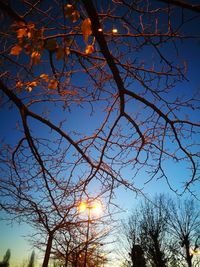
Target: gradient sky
x=15, y=237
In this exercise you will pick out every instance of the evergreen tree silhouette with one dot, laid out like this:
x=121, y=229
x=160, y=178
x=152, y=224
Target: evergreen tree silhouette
x=6, y=258
x=32, y=260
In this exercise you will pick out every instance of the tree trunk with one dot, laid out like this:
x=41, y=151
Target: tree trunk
x=137, y=256
x=48, y=250
x=188, y=257
x=66, y=257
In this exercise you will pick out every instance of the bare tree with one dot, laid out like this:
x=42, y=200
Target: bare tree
x=146, y=232
x=47, y=207
x=129, y=240
x=72, y=244
x=154, y=223
x=185, y=227
x=144, y=144
x=167, y=231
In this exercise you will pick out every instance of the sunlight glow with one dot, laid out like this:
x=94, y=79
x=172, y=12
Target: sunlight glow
x=97, y=207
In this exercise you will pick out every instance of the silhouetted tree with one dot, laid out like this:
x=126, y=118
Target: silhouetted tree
x=154, y=223
x=32, y=260
x=185, y=227
x=6, y=259
x=166, y=232
x=132, y=233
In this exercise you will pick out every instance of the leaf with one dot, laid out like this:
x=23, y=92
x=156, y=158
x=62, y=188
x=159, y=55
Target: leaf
x=30, y=34
x=60, y=52
x=71, y=12
x=16, y=50
x=30, y=86
x=21, y=33
x=51, y=45
x=29, y=89
x=89, y=49
x=67, y=51
x=19, y=85
x=86, y=28
x=68, y=9
x=35, y=57
x=31, y=30
x=45, y=77
x=75, y=16
x=53, y=84
x=31, y=26
x=17, y=25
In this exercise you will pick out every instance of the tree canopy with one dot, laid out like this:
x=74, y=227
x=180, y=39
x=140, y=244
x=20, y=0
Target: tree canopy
x=119, y=62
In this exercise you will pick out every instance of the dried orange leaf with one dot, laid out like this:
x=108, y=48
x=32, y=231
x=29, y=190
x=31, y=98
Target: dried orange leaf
x=71, y=12
x=53, y=84
x=30, y=34
x=45, y=77
x=21, y=33
x=19, y=85
x=75, y=16
x=89, y=49
x=68, y=9
x=32, y=84
x=60, y=52
x=86, y=28
x=35, y=57
x=31, y=25
x=17, y=24
x=29, y=89
x=67, y=51
x=15, y=50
